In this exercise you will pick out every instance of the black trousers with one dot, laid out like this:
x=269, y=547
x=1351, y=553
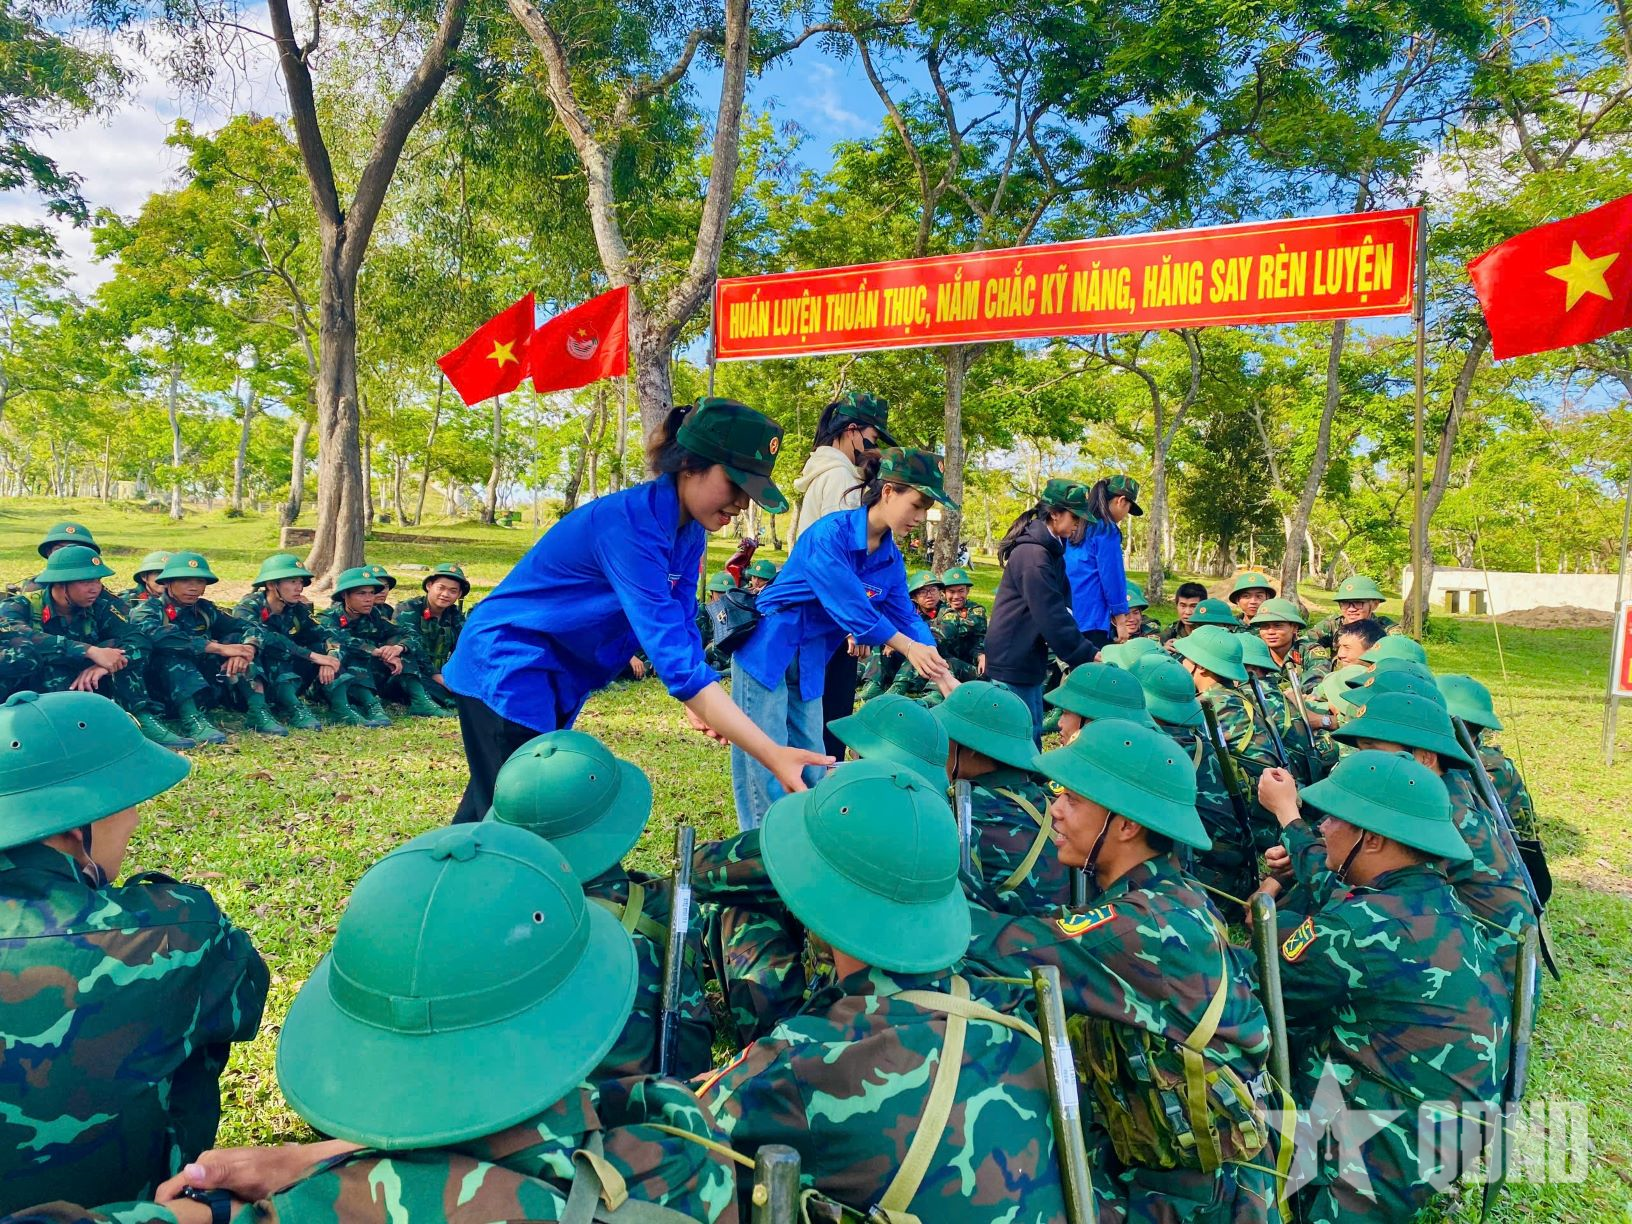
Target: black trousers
x=489, y=739
x=838, y=695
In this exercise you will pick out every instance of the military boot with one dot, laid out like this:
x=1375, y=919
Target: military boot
x=296, y=714
x=367, y=702
x=420, y=704
x=338, y=697
x=258, y=715
x=159, y=733
x=195, y=725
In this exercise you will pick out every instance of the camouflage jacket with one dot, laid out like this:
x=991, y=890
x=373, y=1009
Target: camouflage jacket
x=287, y=635
x=59, y=636
x=883, y=666
x=1310, y=661
x=1250, y=748
x=1149, y=627
x=1515, y=795
x=434, y=637
x=1301, y=754
x=1005, y=834
x=1231, y=865
x=1392, y=985
x=846, y=1082
x=1174, y=632
x=1491, y=884
x=119, y=1007
x=360, y=634
x=961, y=635
x=175, y=629
x=135, y=595
x=1324, y=631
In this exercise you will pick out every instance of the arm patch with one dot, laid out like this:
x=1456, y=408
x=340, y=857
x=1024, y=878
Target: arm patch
x=1299, y=941
x=1080, y=924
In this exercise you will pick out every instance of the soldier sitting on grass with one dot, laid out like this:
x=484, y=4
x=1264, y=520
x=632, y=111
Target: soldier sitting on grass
x=761, y=572
x=145, y=587
x=295, y=651
x=374, y=648
x=1185, y=602
x=434, y=620
x=1358, y=599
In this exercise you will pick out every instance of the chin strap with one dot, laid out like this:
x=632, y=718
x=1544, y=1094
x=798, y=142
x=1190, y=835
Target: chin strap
x=1089, y=868
x=1348, y=859
x=90, y=868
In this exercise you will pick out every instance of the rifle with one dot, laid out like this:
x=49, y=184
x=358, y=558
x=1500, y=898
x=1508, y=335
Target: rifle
x=1297, y=699
x=1518, y=1068
x=1264, y=944
x=674, y=950
x=1226, y=768
x=1281, y=758
x=776, y=1185
x=963, y=804
x=1063, y=1103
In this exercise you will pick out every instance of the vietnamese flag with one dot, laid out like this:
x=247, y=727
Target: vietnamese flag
x=1558, y=284
x=587, y=343
x=494, y=359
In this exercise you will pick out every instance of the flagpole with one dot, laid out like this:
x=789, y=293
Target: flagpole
x=713, y=323
x=1419, y=525
x=1612, y=702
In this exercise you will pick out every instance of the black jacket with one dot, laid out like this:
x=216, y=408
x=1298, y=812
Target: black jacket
x=1032, y=612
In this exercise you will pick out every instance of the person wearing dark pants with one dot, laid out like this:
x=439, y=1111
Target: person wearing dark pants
x=838, y=695
x=489, y=740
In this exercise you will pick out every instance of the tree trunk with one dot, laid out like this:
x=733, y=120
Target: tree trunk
x=107, y=468
x=368, y=477
x=1156, y=523
x=430, y=446
x=1298, y=527
x=490, y=511
x=243, y=453
x=399, y=465
x=175, y=441
x=650, y=351
x=956, y=360
x=618, y=472
x=575, y=481
x=342, y=500
x=297, y=472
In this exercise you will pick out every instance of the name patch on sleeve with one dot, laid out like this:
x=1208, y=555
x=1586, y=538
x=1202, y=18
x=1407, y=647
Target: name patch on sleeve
x=1297, y=943
x=1081, y=924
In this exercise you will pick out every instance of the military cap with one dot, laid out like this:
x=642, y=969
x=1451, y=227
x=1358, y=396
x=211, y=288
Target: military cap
x=991, y=720
x=1278, y=611
x=742, y=441
x=76, y=563
x=761, y=567
x=356, y=578
x=1136, y=772
x=1338, y=687
x=447, y=570
x=1470, y=701
x=151, y=564
x=1375, y=684
x=1125, y=486
x=1408, y=719
x=1396, y=646
x=1063, y=494
x=868, y=860
x=1254, y=653
x=919, y=579
x=1127, y=654
x=1392, y=794
x=1252, y=580
x=382, y=577
x=918, y=469
x=74, y=758
x=66, y=533
x=1098, y=690
x=567, y=787
x=280, y=566
x=1136, y=596
x=897, y=731
x=186, y=565
x=469, y=987
x=721, y=581
x=1170, y=694
x=866, y=409
x=1214, y=612
x=957, y=576
x=1355, y=587
x=1216, y=649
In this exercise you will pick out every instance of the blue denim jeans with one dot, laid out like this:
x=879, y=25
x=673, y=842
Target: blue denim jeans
x=781, y=714
x=1032, y=695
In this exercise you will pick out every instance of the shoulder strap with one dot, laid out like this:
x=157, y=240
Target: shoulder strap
x=970, y=1009
x=1045, y=829
x=1192, y=1052
x=932, y=1124
x=629, y=913
x=1201, y=748
x=599, y=1195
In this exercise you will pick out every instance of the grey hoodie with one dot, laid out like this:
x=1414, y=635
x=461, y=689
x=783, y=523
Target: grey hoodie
x=828, y=483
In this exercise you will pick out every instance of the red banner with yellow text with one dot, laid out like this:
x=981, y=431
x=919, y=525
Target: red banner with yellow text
x=1357, y=266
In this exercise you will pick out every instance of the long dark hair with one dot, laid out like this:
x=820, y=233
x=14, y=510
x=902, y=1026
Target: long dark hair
x=1017, y=529
x=664, y=454
x=1099, y=506
x=872, y=488
x=830, y=426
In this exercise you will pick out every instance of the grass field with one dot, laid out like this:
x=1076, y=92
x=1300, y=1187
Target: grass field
x=280, y=830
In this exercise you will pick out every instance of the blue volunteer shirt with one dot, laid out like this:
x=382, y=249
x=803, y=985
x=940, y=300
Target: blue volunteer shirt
x=1099, y=584
x=831, y=587
x=613, y=576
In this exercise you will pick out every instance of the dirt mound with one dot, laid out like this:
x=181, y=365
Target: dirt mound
x=1566, y=617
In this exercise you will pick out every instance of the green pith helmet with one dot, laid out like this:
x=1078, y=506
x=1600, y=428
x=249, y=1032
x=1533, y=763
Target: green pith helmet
x=990, y=720
x=1357, y=587
x=1392, y=794
x=865, y=408
x=1404, y=718
x=567, y=787
x=761, y=567
x=1119, y=486
x=1136, y=772
x=1336, y=688
x=896, y=731
x=868, y=860
x=1254, y=653
x=1278, y=611
x=463, y=955
x=1170, y=694
x=448, y=570
x=76, y=563
x=919, y=579
x=957, y=576
x=186, y=565
x=1062, y=494
x=1470, y=701
x=1098, y=690
x=1375, y=684
x=742, y=441
x=66, y=533
x=279, y=566
x=1218, y=650
x=1136, y=596
x=153, y=563
x=1396, y=646
x=1213, y=612
x=919, y=469
x=1126, y=655
x=1252, y=580
x=382, y=577
x=74, y=758
x=721, y=581
x=1409, y=667
x=355, y=578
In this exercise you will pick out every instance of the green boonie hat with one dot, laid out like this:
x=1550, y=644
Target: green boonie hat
x=1118, y=486
x=956, y=576
x=1396, y=646
x=186, y=565
x=990, y=720
x=567, y=787
x=742, y=441
x=919, y=469
x=1170, y=694
x=355, y=578
x=1355, y=587
x=1214, y=612
x=1376, y=684
x=1404, y=718
x=722, y=581
x=1136, y=596
x=464, y=955
x=865, y=408
x=448, y=570
x=1254, y=653
x=74, y=758
x=151, y=564
x=1216, y=649
x=919, y=579
x=896, y=730
x=76, y=563
x=1278, y=611
x=1470, y=701
x=1098, y=690
x=1137, y=772
x=1126, y=655
x=1337, y=688
x=868, y=860
x=66, y=533
x=1252, y=580
x=279, y=566
x=1065, y=494
x=1392, y=794
x=764, y=568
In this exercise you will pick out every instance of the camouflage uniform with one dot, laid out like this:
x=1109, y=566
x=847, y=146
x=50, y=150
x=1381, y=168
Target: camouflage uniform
x=1149, y=627
x=1510, y=787
x=179, y=668
x=960, y=635
x=1324, y=632
x=1251, y=749
x=1231, y=866
x=1006, y=833
x=56, y=638
x=1174, y=632
x=1491, y=884
x=883, y=666
x=431, y=638
x=358, y=635
x=120, y=1004
x=285, y=639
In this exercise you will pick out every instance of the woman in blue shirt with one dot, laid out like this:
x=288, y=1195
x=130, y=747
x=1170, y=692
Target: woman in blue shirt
x=844, y=577
x=1093, y=563
x=617, y=575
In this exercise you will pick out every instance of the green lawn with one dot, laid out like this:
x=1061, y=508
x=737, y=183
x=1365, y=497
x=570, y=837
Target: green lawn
x=281, y=829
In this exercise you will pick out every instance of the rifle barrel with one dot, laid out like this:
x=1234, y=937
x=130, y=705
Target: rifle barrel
x=1064, y=1105
x=674, y=951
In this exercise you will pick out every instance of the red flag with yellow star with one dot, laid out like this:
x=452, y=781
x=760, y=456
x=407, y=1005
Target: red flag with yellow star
x=583, y=345
x=1558, y=284
x=494, y=359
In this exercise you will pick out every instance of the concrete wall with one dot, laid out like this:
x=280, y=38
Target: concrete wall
x=1515, y=592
